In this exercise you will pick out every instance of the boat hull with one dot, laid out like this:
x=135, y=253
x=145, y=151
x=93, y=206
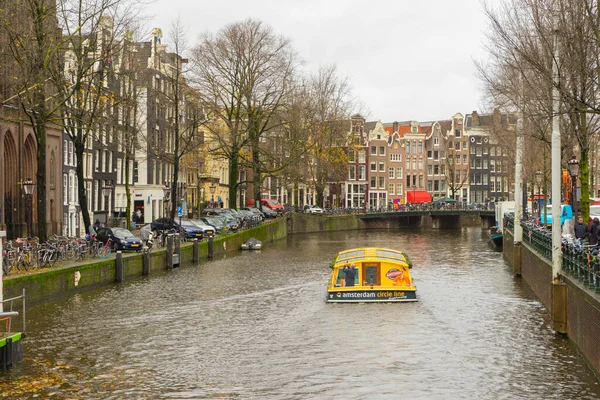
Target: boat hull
x=395, y=295
x=496, y=238
x=255, y=247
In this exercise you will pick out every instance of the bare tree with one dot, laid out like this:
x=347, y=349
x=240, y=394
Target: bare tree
x=186, y=114
x=525, y=37
x=327, y=123
x=89, y=82
x=244, y=74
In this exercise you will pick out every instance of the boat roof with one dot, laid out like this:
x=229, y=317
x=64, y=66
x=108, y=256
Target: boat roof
x=363, y=253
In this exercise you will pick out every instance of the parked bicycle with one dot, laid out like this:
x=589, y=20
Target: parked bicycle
x=105, y=250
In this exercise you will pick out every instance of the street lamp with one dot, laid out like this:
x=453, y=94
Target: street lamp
x=538, y=177
x=166, y=197
x=574, y=172
x=106, y=191
x=28, y=187
x=212, y=188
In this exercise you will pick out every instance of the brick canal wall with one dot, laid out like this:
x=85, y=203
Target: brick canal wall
x=582, y=304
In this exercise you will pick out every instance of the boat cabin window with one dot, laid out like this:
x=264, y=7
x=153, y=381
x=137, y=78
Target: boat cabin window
x=372, y=275
x=342, y=279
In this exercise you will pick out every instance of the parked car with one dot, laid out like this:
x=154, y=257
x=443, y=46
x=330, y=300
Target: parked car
x=122, y=238
x=207, y=229
x=218, y=223
x=314, y=210
x=249, y=217
x=235, y=214
x=187, y=227
x=207, y=212
x=269, y=203
x=255, y=211
x=191, y=230
x=230, y=222
x=269, y=213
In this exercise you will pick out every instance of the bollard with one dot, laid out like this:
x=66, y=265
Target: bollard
x=169, y=251
x=177, y=251
x=119, y=267
x=196, y=258
x=8, y=348
x=146, y=261
x=211, y=247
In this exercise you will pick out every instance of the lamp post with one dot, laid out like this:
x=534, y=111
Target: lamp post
x=29, y=187
x=574, y=172
x=212, y=188
x=414, y=188
x=538, y=177
x=166, y=196
x=106, y=191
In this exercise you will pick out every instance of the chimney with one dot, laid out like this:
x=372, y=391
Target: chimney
x=395, y=127
x=475, y=118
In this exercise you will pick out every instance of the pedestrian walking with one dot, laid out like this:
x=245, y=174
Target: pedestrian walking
x=581, y=230
x=594, y=231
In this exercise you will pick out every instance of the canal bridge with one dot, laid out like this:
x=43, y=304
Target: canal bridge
x=434, y=218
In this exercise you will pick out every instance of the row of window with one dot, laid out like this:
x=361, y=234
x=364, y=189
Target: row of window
x=436, y=186
x=71, y=195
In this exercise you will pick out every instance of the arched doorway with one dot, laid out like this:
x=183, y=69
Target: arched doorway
x=11, y=192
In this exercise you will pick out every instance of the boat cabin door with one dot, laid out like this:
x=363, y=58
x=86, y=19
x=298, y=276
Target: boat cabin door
x=371, y=274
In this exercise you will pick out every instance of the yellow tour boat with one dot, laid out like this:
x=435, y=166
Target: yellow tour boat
x=371, y=275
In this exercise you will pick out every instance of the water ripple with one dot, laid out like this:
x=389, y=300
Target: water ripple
x=255, y=326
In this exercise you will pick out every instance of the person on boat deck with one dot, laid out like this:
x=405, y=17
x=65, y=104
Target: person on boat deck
x=350, y=274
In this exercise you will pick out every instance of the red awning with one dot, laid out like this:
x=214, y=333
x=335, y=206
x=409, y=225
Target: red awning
x=418, y=196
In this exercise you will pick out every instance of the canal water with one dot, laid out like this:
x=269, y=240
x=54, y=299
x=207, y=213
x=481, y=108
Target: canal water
x=256, y=326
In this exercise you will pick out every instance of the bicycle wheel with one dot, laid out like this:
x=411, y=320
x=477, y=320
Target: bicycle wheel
x=104, y=251
x=21, y=263
x=70, y=253
x=6, y=266
x=31, y=260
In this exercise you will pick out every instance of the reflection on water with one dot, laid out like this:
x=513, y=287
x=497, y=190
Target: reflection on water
x=255, y=325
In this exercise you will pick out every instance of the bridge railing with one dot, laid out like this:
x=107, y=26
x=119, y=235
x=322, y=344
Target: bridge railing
x=412, y=207
x=579, y=261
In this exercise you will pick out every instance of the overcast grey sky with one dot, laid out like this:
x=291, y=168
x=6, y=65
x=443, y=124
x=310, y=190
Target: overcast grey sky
x=406, y=59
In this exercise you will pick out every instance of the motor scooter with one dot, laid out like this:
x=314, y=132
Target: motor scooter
x=150, y=240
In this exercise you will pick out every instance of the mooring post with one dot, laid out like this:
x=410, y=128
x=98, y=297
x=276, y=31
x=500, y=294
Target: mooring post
x=9, y=352
x=169, y=251
x=146, y=261
x=119, y=267
x=211, y=247
x=195, y=257
x=177, y=252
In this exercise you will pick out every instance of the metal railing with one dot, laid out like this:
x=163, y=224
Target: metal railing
x=7, y=316
x=579, y=261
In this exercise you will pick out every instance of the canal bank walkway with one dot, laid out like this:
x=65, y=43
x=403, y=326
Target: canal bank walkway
x=74, y=276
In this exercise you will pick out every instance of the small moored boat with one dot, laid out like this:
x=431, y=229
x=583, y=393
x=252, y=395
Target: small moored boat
x=496, y=236
x=371, y=275
x=252, y=244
